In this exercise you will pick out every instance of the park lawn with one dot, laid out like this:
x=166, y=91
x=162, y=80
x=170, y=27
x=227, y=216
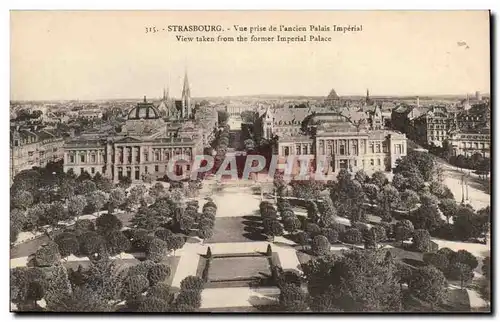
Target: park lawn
x=238, y=267
x=235, y=230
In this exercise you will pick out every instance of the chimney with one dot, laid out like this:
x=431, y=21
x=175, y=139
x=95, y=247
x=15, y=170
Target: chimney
x=418, y=101
x=478, y=96
x=144, y=98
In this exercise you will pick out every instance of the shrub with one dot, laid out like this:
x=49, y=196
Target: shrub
x=158, y=273
x=331, y=234
x=421, y=240
x=192, y=283
x=47, y=255
x=320, y=245
x=352, y=236
x=313, y=230
x=189, y=297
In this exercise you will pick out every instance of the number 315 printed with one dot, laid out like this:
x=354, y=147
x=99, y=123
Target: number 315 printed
x=151, y=30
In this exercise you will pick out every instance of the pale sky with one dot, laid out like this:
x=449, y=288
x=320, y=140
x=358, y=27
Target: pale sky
x=107, y=54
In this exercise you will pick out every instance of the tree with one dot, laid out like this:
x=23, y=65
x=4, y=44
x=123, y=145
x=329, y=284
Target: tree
x=206, y=232
x=80, y=299
x=486, y=268
x=361, y=176
x=163, y=233
x=464, y=257
x=421, y=240
x=404, y=230
x=388, y=199
x=102, y=183
x=399, y=182
x=192, y=283
x=371, y=192
x=331, y=234
x=438, y=260
x=91, y=243
x=186, y=222
x=189, y=298
x=117, y=197
x=370, y=238
x=117, y=242
x=158, y=273
x=320, y=245
x=352, y=236
x=136, y=195
x=428, y=284
x=76, y=205
x=357, y=281
x=427, y=217
x=424, y=163
x=468, y=224
x=161, y=291
x=47, y=255
x=409, y=199
x=292, y=298
x=175, y=242
x=124, y=182
x=303, y=238
x=67, y=243
x=157, y=250
x=449, y=208
x=157, y=190
x=313, y=230
x=461, y=272
x=292, y=223
x=85, y=187
x=440, y=190
x=108, y=223
x=312, y=211
x=84, y=225
x=96, y=201
x=134, y=285
x=153, y=304
x=21, y=199
x=275, y=229
x=379, y=178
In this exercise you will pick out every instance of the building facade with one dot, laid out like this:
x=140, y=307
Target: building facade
x=469, y=143
x=144, y=148
x=33, y=148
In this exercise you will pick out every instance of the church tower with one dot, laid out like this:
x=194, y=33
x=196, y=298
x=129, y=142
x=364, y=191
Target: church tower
x=186, y=98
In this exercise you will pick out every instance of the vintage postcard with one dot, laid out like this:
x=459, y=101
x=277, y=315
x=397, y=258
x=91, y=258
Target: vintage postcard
x=250, y=161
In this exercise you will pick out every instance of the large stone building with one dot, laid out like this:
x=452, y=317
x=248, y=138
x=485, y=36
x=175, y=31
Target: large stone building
x=345, y=140
x=470, y=143
x=33, y=148
x=146, y=143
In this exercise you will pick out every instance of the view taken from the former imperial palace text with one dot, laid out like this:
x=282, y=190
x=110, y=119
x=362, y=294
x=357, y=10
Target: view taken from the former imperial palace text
x=250, y=161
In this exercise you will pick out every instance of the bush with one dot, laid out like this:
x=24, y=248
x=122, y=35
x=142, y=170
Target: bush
x=161, y=291
x=421, y=240
x=464, y=257
x=292, y=223
x=192, y=283
x=163, y=234
x=331, y=234
x=313, y=230
x=158, y=273
x=67, y=244
x=440, y=261
x=352, y=236
x=303, y=238
x=189, y=298
x=47, y=255
x=292, y=298
x=320, y=245
x=134, y=285
x=84, y=225
x=157, y=250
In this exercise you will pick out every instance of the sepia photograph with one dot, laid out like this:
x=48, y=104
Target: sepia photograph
x=250, y=161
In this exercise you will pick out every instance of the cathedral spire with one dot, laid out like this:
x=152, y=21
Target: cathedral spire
x=186, y=97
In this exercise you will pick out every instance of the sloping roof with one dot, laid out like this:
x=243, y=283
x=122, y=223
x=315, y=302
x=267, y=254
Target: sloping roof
x=332, y=95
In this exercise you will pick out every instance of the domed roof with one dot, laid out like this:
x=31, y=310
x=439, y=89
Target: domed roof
x=143, y=110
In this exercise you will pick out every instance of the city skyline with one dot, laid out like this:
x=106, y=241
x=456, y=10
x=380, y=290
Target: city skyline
x=107, y=55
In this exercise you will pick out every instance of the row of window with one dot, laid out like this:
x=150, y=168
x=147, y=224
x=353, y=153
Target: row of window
x=474, y=145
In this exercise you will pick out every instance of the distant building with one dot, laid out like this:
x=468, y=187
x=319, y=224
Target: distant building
x=143, y=148
x=469, y=143
x=33, y=148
